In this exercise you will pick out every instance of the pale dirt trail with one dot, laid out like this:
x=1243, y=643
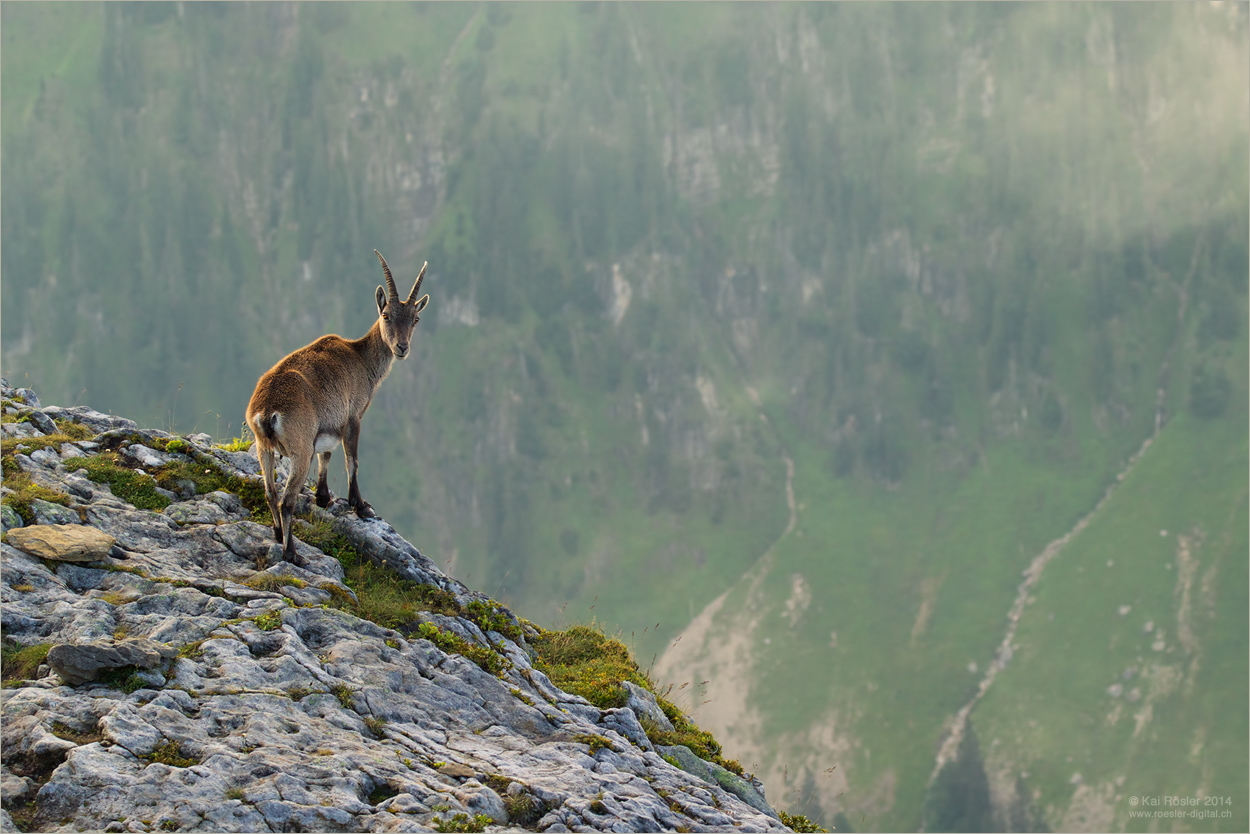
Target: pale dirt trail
x=1032, y=575
x=722, y=656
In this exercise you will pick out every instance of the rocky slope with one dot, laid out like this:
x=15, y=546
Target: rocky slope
x=195, y=681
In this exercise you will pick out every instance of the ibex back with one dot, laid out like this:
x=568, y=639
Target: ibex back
x=315, y=398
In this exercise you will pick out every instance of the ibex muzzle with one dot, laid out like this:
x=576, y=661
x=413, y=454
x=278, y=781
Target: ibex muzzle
x=315, y=398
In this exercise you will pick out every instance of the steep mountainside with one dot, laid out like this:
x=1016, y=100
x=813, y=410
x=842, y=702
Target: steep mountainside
x=166, y=669
x=820, y=319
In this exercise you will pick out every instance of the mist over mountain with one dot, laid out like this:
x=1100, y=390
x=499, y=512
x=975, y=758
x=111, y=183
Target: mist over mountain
x=801, y=331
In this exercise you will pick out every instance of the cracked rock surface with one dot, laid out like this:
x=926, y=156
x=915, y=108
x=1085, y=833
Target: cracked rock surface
x=181, y=694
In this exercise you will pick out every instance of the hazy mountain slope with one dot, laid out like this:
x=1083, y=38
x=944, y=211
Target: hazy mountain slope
x=951, y=253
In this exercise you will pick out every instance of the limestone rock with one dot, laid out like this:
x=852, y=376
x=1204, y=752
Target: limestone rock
x=645, y=705
x=77, y=664
x=62, y=542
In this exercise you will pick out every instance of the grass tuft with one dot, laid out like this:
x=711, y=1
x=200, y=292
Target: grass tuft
x=25, y=491
x=20, y=663
x=585, y=661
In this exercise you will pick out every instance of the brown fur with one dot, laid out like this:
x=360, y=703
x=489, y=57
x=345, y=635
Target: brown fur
x=317, y=396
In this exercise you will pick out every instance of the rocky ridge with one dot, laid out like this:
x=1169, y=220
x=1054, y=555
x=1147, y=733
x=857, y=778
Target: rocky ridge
x=195, y=681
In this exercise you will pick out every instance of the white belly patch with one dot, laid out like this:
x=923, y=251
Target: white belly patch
x=326, y=442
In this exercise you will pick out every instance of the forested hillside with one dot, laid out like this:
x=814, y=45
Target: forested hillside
x=823, y=320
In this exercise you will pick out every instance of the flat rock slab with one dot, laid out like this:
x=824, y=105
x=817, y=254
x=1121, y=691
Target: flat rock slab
x=62, y=542
x=80, y=663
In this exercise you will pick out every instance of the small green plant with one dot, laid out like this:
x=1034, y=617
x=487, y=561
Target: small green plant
x=595, y=741
x=192, y=651
x=169, y=825
x=344, y=693
x=297, y=693
x=169, y=753
x=375, y=725
x=125, y=678
x=177, y=445
x=234, y=793
x=521, y=696
x=798, y=822
x=489, y=618
x=238, y=444
x=524, y=810
x=462, y=822
x=269, y=621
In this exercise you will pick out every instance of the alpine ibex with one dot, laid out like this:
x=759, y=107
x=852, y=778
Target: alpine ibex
x=315, y=398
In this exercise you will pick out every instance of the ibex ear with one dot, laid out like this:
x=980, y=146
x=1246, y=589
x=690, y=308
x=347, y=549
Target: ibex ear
x=381, y=296
x=425, y=299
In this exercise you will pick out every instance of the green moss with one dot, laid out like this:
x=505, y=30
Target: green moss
x=133, y=487
x=234, y=793
x=169, y=753
x=375, y=725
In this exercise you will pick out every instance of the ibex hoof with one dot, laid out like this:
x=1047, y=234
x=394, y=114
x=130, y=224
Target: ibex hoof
x=325, y=499
x=277, y=534
x=363, y=510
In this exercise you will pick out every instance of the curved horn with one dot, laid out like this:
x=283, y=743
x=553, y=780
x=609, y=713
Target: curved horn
x=386, y=270
x=416, y=288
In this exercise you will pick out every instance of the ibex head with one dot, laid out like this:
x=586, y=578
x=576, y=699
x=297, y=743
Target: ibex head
x=398, y=318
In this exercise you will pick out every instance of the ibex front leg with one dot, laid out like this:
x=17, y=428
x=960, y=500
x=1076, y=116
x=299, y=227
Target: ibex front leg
x=324, y=496
x=351, y=437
